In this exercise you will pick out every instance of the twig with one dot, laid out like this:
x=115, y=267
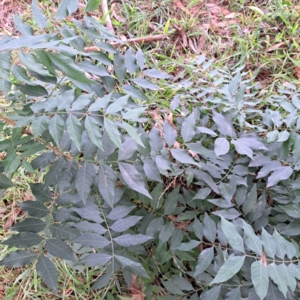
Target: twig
x=107, y=17
x=139, y=40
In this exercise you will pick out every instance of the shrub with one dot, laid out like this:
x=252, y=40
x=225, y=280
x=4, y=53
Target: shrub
x=187, y=197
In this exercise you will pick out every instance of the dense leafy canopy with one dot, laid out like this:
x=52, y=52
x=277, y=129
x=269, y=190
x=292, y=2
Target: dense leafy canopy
x=204, y=192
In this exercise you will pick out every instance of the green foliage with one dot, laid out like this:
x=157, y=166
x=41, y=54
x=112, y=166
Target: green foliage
x=192, y=200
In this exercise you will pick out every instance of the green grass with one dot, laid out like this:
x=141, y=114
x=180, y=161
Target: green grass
x=251, y=40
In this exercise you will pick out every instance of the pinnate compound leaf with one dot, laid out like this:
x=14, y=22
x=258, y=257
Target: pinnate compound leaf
x=251, y=200
x=206, y=131
x=39, y=125
x=146, y=84
x=260, y=278
x=52, y=177
x=242, y=148
x=82, y=101
x=187, y=128
x=175, y=102
x=117, y=105
x=120, y=212
x=5, y=182
x=226, y=191
x=221, y=146
x=92, y=5
x=182, y=156
x=66, y=100
x=38, y=15
x=18, y=259
x=129, y=147
x=67, y=66
x=23, y=240
x=166, y=232
x=272, y=136
x=140, y=59
x=182, y=283
x=170, y=134
x=68, y=175
x=47, y=271
x=84, y=180
x=97, y=69
x=127, y=240
x=198, y=229
x=292, y=229
x=74, y=130
x=89, y=212
x=133, y=133
x=92, y=240
x=274, y=293
x=283, y=136
x=205, y=258
x=65, y=215
x=280, y=243
x=289, y=277
x=130, y=61
x=63, y=232
x=294, y=270
x=56, y=127
x=124, y=224
x=234, y=294
x=62, y=10
x=231, y=266
x=93, y=131
x=252, y=143
x=131, y=266
x=290, y=249
x=119, y=66
x=231, y=234
x=103, y=280
x=211, y=294
x=172, y=287
x=113, y=132
x=34, y=209
x=20, y=74
x=210, y=228
x=133, y=114
x=23, y=28
x=251, y=239
x=87, y=226
x=72, y=6
x=133, y=179
x=154, y=73
x=25, y=41
x=188, y=246
x=280, y=174
x=31, y=90
x=151, y=170
x=107, y=183
x=156, y=142
x=95, y=259
x=278, y=278
x=29, y=225
x=41, y=192
x=268, y=167
x=100, y=103
x=59, y=248
x=171, y=201
x=224, y=125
